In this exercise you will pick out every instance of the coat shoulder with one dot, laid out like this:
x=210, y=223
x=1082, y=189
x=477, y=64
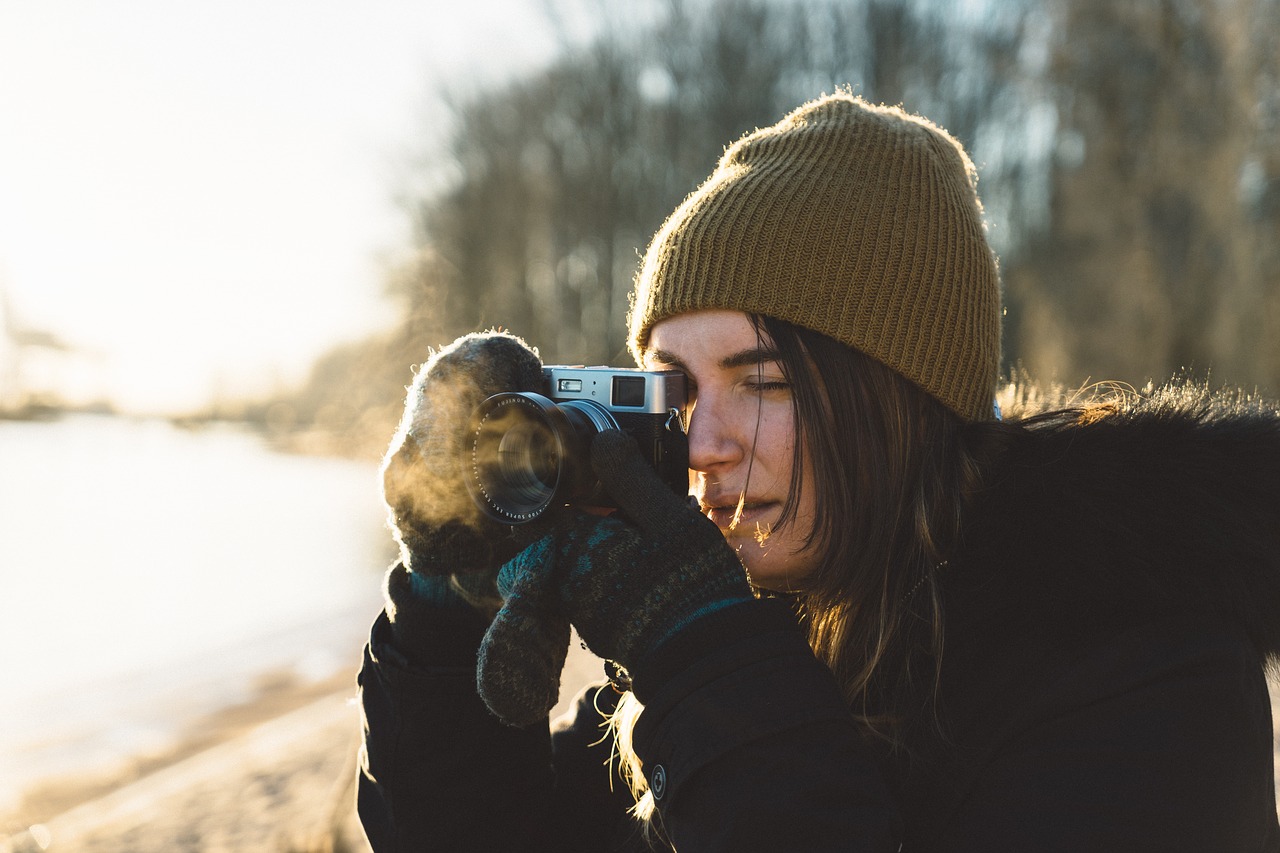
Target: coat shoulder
x=1155, y=504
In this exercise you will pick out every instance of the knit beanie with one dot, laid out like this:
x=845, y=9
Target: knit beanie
x=857, y=221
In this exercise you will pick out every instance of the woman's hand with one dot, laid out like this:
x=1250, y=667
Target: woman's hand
x=439, y=527
x=450, y=552
x=626, y=587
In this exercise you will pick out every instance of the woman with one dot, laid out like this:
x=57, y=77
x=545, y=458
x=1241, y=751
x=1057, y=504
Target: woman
x=897, y=623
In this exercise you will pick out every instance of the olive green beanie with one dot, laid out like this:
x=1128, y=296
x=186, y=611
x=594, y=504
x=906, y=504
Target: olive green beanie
x=861, y=222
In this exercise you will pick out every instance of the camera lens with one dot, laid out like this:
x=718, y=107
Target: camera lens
x=527, y=463
x=529, y=454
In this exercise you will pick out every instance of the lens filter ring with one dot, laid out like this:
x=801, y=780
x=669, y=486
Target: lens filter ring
x=519, y=444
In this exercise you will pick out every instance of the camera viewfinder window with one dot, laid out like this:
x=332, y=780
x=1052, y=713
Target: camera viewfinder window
x=628, y=391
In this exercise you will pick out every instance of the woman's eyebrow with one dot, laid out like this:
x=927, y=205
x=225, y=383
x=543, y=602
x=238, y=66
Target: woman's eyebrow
x=741, y=358
x=748, y=357
x=661, y=356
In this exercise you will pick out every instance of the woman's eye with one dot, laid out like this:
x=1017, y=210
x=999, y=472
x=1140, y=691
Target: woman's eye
x=761, y=386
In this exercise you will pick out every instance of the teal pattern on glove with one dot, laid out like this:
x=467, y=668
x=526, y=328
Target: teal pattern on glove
x=626, y=586
x=524, y=650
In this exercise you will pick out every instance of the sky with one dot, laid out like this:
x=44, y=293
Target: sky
x=197, y=197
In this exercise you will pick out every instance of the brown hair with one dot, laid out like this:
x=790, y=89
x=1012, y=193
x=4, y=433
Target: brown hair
x=896, y=471
x=897, y=468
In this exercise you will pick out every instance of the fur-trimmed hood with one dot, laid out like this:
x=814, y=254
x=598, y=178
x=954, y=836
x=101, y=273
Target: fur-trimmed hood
x=1164, y=503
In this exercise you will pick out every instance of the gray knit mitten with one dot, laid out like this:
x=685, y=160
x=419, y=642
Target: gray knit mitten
x=450, y=551
x=626, y=587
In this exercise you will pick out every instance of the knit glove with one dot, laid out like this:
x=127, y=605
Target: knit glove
x=626, y=587
x=450, y=551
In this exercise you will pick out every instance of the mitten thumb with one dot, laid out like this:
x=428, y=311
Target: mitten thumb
x=524, y=650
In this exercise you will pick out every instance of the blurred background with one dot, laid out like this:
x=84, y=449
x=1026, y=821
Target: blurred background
x=228, y=231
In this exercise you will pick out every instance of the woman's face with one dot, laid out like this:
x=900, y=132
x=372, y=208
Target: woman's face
x=742, y=435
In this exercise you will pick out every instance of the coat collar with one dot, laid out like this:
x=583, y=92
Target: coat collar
x=1164, y=502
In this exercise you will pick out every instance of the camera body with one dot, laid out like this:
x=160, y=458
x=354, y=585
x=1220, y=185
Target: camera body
x=529, y=452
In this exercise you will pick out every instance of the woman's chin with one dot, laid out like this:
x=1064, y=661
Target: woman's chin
x=769, y=566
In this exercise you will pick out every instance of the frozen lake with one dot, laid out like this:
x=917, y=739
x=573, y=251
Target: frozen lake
x=148, y=573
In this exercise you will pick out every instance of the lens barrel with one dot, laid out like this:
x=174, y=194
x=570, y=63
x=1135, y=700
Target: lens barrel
x=529, y=453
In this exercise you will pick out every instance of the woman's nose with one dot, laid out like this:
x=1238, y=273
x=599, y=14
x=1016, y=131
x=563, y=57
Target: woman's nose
x=712, y=442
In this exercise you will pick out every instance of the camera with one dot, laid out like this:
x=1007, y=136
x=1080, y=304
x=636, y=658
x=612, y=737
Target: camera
x=529, y=452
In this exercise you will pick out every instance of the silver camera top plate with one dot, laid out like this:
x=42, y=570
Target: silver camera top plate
x=621, y=389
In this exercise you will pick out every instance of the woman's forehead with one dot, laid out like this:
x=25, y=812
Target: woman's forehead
x=705, y=328
x=726, y=340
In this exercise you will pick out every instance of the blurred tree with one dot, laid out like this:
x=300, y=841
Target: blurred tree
x=1128, y=153
x=562, y=177
x=1152, y=260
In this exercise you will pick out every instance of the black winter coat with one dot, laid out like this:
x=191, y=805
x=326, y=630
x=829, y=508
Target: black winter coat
x=1108, y=618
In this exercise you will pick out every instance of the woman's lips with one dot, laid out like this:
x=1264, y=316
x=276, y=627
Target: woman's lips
x=752, y=513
